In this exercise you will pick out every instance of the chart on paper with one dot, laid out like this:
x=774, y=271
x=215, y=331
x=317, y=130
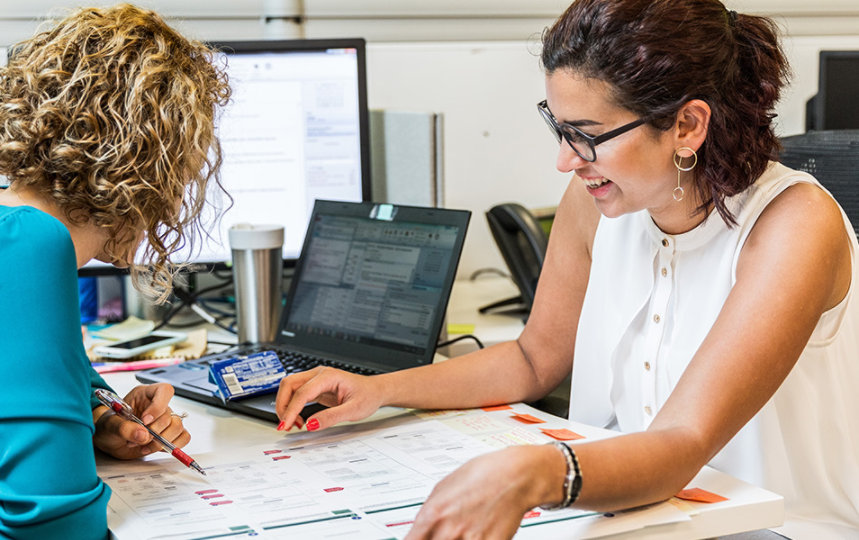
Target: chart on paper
x=358, y=484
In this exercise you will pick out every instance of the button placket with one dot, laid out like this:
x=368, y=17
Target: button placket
x=662, y=287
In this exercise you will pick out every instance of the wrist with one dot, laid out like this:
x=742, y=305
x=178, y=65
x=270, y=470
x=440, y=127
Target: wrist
x=552, y=484
x=98, y=412
x=387, y=390
x=572, y=478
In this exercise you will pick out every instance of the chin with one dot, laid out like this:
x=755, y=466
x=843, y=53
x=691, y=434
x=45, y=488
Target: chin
x=610, y=210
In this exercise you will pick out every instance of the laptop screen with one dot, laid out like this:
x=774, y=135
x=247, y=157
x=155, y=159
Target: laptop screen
x=374, y=289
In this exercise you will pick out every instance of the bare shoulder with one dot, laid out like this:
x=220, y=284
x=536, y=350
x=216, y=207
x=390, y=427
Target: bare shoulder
x=802, y=226
x=802, y=212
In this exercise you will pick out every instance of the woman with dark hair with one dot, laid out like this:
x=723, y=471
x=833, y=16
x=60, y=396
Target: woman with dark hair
x=699, y=291
x=107, y=139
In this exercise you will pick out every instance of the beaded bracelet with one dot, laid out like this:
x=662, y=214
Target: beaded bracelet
x=572, y=480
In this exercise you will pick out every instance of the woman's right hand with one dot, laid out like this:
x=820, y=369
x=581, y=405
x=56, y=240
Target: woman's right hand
x=348, y=396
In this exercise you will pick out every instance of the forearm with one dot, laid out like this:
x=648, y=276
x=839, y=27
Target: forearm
x=637, y=469
x=497, y=374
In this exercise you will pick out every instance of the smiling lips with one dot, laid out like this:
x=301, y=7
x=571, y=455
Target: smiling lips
x=594, y=183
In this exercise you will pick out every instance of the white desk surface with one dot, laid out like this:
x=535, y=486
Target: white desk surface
x=213, y=429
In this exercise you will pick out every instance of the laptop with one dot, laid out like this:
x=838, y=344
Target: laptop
x=368, y=295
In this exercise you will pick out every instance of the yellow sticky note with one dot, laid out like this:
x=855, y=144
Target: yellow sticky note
x=460, y=328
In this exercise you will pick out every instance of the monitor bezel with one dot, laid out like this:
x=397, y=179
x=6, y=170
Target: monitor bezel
x=287, y=45
x=820, y=119
x=362, y=354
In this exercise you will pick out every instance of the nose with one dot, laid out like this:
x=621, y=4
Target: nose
x=568, y=160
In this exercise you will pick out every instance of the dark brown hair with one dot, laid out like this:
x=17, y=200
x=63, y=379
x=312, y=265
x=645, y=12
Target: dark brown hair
x=110, y=115
x=659, y=54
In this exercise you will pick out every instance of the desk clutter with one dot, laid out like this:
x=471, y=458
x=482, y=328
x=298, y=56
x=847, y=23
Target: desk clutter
x=192, y=347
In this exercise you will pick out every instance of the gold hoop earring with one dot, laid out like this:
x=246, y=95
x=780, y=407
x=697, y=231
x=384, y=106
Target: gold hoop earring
x=678, y=162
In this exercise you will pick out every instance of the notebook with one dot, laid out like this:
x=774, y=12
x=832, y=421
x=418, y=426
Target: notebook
x=368, y=295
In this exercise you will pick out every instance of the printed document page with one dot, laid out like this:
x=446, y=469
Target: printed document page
x=355, y=481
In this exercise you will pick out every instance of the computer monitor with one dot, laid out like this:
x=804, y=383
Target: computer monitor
x=835, y=105
x=296, y=130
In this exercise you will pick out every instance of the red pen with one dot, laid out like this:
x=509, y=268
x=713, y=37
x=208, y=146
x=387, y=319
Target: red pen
x=123, y=409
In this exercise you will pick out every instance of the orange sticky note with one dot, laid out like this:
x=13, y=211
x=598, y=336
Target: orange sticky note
x=563, y=434
x=699, y=495
x=528, y=419
x=497, y=408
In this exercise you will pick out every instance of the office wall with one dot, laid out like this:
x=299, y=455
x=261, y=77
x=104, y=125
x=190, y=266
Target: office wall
x=475, y=62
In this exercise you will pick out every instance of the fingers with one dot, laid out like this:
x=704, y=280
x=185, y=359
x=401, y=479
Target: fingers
x=295, y=392
x=174, y=432
x=334, y=415
x=159, y=396
x=128, y=431
x=287, y=387
x=348, y=396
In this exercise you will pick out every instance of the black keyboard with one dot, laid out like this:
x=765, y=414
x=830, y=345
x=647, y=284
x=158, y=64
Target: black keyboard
x=294, y=362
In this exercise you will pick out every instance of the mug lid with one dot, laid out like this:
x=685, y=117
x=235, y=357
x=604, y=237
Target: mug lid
x=248, y=236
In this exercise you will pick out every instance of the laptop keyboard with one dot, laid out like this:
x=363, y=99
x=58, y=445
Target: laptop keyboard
x=294, y=362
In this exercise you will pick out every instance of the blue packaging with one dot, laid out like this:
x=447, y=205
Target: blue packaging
x=243, y=376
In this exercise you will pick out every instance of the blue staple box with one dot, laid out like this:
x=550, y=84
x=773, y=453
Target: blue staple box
x=243, y=376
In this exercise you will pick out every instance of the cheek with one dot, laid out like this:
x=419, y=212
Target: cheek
x=649, y=166
x=129, y=249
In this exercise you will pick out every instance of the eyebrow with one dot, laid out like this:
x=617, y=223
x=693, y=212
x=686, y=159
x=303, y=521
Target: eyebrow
x=582, y=123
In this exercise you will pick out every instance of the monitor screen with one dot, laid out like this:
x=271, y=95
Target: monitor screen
x=835, y=105
x=296, y=129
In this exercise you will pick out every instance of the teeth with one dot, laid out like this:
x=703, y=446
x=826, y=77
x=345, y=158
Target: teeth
x=594, y=183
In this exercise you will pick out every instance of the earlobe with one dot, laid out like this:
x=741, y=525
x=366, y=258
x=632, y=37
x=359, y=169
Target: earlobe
x=693, y=122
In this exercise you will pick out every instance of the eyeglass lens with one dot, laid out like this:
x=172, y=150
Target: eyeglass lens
x=582, y=146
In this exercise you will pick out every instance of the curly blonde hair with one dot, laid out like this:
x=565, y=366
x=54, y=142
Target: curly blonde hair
x=110, y=114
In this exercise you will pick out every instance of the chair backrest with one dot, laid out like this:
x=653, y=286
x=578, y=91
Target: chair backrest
x=833, y=158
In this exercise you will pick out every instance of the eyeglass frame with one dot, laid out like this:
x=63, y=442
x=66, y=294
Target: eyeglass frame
x=592, y=142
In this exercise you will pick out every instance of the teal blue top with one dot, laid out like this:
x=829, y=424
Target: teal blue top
x=48, y=482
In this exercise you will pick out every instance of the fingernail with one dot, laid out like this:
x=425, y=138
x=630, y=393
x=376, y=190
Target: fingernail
x=147, y=419
x=141, y=436
x=281, y=426
x=312, y=424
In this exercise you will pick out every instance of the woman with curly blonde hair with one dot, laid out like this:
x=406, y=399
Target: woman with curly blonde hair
x=107, y=140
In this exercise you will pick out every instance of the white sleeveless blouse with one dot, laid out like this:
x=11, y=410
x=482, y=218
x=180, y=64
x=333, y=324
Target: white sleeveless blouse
x=651, y=300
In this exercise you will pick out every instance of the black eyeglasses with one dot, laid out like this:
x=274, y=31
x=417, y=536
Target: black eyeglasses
x=583, y=144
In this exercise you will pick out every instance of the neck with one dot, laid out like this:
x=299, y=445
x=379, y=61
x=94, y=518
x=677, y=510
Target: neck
x=678, y=217
x=87, y=238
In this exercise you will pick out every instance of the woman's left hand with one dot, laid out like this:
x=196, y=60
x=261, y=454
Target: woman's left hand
x=488, y=496
x=125, y=439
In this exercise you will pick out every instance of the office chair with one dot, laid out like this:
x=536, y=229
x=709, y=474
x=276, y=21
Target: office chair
x=833, y=158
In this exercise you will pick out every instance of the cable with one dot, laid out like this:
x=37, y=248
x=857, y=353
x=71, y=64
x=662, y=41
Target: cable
x=477, y=273
x=191, y=300
x=207, y=304
x=460, y=338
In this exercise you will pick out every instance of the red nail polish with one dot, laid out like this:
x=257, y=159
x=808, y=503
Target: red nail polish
x=281, y=426
x=312, y=424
